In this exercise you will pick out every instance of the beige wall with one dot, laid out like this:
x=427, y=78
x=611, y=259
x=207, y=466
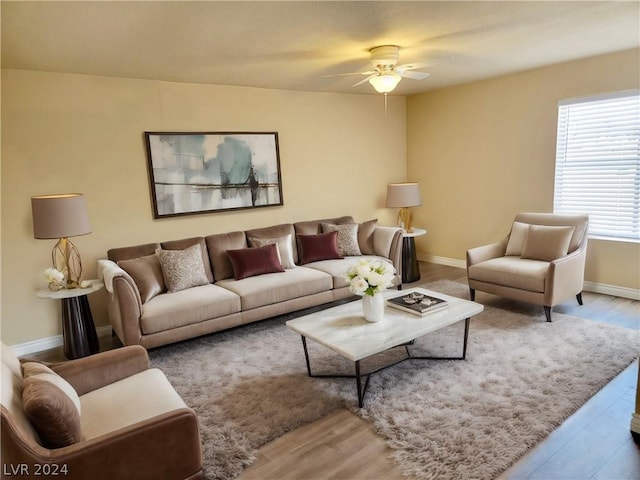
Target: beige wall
x=75, y=133
x=485, y=151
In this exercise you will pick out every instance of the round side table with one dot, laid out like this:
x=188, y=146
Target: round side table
x=410, y=268
x=78, y=330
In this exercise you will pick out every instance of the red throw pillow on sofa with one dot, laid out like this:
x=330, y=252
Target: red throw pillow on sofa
x=249, y=262
x=323, y=246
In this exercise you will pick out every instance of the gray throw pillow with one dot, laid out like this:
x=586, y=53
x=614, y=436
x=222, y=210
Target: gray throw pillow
x=347, y=240
x=182, y=269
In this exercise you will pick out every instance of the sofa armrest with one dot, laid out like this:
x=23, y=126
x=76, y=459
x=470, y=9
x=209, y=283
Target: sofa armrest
x=387, y=242
x=565, y=277
x=124, y=304
x=93, y=372
x=165, y=446
x=486, y=252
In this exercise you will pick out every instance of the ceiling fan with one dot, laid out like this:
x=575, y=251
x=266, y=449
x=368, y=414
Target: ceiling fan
x=387, y=73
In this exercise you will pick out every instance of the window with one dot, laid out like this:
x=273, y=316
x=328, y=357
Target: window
x=598, y=163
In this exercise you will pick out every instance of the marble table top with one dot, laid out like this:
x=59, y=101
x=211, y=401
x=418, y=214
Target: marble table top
x=344, y=330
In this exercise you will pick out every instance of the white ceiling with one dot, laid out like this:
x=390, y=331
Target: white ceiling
x=293, y=45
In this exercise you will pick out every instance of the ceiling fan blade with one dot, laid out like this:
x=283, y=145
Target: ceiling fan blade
x=415, y=66
x=414, y=75
x=350, y=74
x=364, y=80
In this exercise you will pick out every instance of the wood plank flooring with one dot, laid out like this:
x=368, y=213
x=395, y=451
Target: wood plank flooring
x=594, y=443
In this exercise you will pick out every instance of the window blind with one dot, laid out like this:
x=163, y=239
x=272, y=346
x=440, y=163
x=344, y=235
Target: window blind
x=598, y=163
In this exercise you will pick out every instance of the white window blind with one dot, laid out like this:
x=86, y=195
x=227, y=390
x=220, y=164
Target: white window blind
x=598, y=163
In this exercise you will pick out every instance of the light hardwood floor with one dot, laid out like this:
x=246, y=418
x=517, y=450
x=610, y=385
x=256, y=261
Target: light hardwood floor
x=594, y=443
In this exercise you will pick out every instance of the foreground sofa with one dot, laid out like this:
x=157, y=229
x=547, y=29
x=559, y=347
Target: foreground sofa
x=103, y=417
x=243, y=276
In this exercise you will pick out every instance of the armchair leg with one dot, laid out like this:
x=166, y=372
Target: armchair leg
x=547, y=313
x=579, y=298
x=472, y=294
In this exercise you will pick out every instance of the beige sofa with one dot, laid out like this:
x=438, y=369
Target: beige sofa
x=101, y=417
x=223, y=301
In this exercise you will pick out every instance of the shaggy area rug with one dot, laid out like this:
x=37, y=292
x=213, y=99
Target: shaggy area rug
x=443, y=419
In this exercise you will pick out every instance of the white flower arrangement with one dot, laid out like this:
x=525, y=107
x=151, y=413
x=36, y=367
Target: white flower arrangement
x=55, y=278
x=369, y=277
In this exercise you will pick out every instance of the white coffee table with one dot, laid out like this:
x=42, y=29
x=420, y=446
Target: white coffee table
x=344, y=330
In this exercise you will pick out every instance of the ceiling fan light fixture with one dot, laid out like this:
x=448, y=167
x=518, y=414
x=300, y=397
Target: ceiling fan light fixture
x=385, y=83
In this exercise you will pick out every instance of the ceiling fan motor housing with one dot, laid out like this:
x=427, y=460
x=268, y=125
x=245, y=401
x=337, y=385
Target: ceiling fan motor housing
x=384, y=56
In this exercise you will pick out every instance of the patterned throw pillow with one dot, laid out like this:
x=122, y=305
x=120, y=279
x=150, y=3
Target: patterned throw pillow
x=347, y=237
x=182, y=269
x=285, y=251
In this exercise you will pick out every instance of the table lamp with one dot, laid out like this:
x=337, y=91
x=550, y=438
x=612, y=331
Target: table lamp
x=403, y=196
x=61, y=216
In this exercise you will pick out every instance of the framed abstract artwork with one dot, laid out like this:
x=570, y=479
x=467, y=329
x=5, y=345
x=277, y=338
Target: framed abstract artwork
x=191, y=173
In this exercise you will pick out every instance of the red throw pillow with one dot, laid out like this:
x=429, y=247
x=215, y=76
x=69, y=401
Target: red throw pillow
x=249, y=262
x=323, y=246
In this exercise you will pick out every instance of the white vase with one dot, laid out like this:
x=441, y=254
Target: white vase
x=373, y=307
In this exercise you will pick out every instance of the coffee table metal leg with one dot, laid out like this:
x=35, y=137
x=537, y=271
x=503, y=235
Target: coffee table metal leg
x=362, y=390
x=306, y=354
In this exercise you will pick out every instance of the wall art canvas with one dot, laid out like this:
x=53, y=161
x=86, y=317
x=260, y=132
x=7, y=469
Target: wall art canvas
x=193, y=173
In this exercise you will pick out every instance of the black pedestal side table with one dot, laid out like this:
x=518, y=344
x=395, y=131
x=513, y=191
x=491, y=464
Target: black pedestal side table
x=78, y=330
x=410, y=268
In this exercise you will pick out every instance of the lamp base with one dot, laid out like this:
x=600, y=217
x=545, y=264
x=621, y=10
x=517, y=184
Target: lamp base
x=66, y=258
x=404, y=219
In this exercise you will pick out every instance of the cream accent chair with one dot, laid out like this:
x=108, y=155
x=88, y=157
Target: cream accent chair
x=132, y=424
x=539, y=262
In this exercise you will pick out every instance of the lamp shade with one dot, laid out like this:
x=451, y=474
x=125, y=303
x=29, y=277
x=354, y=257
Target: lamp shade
x=401, y=195
x=59, y=216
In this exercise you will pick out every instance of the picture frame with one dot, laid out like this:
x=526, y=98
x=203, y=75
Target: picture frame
x=205, y=172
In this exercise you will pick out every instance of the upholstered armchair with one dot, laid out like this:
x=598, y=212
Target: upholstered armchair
x=541, y=261
x=102, y=417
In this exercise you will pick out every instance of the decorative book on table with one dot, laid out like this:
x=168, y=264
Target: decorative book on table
x=417, y=303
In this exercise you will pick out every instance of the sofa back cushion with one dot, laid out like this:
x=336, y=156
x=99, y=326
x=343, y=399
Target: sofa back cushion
x=136, y=251
x=188, y=242
x=217, y=246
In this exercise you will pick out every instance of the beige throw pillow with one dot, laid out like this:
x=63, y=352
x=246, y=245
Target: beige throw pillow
x=182, y=269
x=147, y=274
x=347, y=240
x=52, y=405
x=285, y=249
x=517, y=237
x=546, y=242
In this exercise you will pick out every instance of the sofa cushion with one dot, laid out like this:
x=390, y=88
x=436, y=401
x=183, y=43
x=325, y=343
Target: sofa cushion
x=547, y=243
x=52, y=406
x=284, y=244
x=126, y=253
x=337, y=268
x=134, y=399
x=347, y=240
x=511, y=271
x=517, y=237
x=186, y=307
x=365, y=236
x=188, y=242
x=323, y=246
x=182, y=268
x=278, y=287
x=146, y=272
x=250, y=262
x=217, y=245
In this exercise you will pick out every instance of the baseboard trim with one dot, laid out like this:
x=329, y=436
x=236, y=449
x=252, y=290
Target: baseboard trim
x=594, y=287
x=35, y=346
